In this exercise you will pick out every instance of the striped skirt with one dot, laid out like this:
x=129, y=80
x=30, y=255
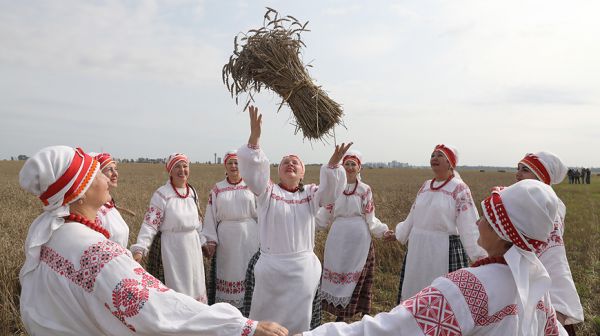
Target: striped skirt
x=457, y=259
x=363, y=292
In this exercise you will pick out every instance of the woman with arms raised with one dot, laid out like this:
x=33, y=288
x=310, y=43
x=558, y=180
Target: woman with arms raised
x=287, y=272
x=75, y=281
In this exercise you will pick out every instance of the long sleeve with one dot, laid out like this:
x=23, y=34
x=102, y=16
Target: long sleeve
x=140, y=303
x=152, y=220
x=254, y=168
x=403, y=229
x=376, y=227
x=209, y=229
x=332, y=181
x=324, y=217
x=466, y=219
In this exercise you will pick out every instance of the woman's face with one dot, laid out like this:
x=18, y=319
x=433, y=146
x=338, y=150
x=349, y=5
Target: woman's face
x=438, y=162
x=352, y=169
x=180, y=172
x=231, y=167
x=488, y=239
x=112, y=173
x=291, y=170
x=97, y=194
x=523, y=173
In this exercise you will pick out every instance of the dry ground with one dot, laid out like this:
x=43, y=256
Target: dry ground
x=394, y=191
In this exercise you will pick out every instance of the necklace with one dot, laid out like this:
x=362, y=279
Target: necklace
x=187, y=191
x=353, y=190
x=110, y=204
x=233, y=183
x=442, y=185
x=91, y=224
x=287, y=189
x=489, y=260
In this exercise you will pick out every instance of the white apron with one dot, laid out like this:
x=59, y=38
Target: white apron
x=428, y=248
x=238, y=242
x=346, y=251
x=286, y=285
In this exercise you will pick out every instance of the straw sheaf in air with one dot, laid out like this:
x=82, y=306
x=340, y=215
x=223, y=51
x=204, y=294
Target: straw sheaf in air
x=270, y=57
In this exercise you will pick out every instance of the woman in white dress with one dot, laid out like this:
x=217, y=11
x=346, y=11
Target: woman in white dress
x=349, y=259
x=440, y=228
x=503, y=294
x=108, y=214
x=230, y=228
x=75, y=281
x=287, y=272
x=173, y=213
x=548, y=168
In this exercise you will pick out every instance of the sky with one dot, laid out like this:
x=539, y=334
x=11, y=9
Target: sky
x=496, y=79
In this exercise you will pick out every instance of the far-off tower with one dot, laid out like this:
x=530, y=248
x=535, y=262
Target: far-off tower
x=215, y=158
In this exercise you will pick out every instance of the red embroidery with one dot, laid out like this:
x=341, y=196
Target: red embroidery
x=433, y=313
x=91, y=262
x=291, y=201
x=341, y=278
x=554, y=240
x=231, y=287
x=130, y=295
x=104, y=210
x=551, y=327
x=153, y=217
x=248, y=327
x=477, y=299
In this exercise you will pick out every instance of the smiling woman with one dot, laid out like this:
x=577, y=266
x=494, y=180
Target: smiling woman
x=287, y=272
x=173, y=218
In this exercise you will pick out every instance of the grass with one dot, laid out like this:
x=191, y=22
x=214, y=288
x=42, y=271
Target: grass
x=394, y=192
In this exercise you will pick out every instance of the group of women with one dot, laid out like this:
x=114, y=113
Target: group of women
x=520, y=282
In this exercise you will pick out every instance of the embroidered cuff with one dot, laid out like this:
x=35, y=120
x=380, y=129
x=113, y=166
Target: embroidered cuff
x=136, y=248
x=255, y=147
x=249, y=328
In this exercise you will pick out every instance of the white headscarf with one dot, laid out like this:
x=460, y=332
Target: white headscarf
x=524, y=214
x=59, y=176
x=546, y=166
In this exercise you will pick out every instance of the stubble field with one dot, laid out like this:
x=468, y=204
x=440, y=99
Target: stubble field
x=394, y=192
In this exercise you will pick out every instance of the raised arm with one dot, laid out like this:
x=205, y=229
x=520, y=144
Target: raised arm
x=252, y=161
x=332, y=180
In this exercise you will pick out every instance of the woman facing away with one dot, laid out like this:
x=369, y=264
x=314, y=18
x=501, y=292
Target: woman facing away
x=503, y=294
x=231, y=231
x=349, y=259
x=173, y=218
x=440, y=229
x=287, y=272
x=76, y=281
x=548, y=168
x=108, y=215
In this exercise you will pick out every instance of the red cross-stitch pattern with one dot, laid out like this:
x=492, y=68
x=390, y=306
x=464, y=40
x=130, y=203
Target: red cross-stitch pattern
x=341, y=278
x=247, y=330
x=433, y=313
x=154, y=217
x=130, y=295
x=231, y=287
x=551, y=327
x=477, y=299
x=90, y=264
x=554, y=240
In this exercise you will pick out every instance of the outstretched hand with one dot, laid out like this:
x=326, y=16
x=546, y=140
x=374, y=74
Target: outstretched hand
x=266, y=328
x=338, y=154
x=255, y=125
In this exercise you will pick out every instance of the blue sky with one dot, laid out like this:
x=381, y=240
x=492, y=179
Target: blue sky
x=497, y=79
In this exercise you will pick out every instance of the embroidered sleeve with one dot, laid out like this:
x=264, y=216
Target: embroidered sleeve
x=403, y=229
x=466, y=219
x=152, y=221
x=376, y=227
x=332, y=182
x=324, y=217
x=433, y=313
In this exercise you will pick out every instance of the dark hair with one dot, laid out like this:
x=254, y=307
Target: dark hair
x=301, y=185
